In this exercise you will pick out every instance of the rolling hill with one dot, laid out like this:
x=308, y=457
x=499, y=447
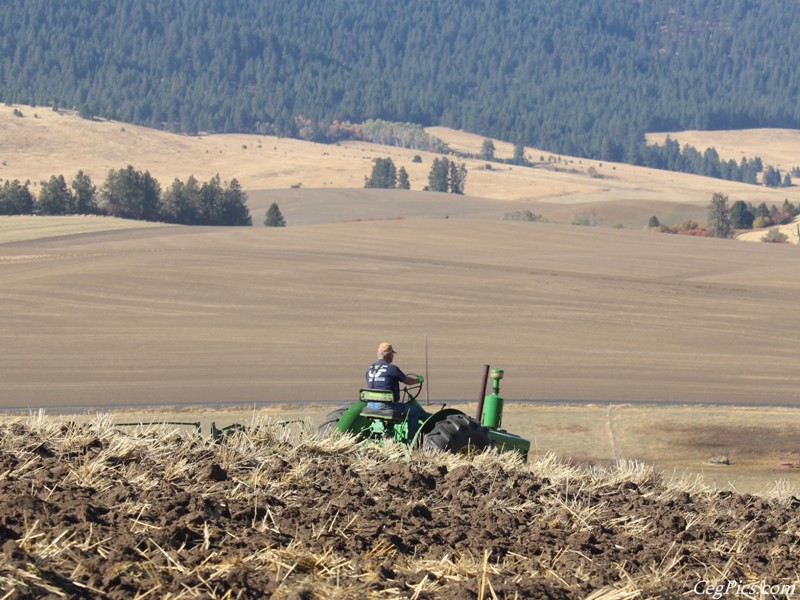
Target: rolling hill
x=213, y=315
x=42, y=143
x=105, y=314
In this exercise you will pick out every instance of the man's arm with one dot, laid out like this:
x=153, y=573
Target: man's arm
x=412, y=379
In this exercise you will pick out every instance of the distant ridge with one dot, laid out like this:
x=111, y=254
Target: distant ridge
x=578, y=78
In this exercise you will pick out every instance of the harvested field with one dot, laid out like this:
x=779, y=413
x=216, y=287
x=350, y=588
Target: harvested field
x=188, y=316
x=104, y=512
x=732, y=448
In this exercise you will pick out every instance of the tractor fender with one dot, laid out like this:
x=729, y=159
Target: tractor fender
x=348, y=421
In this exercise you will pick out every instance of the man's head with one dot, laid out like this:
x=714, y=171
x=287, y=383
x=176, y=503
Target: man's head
x=386, y=352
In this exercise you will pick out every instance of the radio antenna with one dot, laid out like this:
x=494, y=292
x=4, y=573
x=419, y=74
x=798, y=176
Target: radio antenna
x=427, y=379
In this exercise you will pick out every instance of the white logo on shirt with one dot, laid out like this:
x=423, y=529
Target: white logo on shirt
x=378, y=375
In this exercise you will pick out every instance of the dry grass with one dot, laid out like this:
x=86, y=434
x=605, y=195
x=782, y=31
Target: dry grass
x=776, y=147
x=43, y=143
x=686, y=443
x=790, y=230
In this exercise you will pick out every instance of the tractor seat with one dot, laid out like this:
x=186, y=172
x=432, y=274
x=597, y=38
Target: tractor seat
x=380, y=404
x=384, y=412
x=375, y=395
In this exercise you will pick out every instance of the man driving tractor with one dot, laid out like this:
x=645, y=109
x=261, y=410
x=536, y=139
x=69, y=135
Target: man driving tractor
x=384, y=411
x=383, y=375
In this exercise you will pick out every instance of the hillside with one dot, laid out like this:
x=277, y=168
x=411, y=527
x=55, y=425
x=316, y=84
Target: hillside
x=585, y=79
x=777, y=147
x=42, y=143
x=176, y=315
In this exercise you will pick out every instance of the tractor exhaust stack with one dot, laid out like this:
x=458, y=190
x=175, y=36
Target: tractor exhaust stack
x=482, y=394
x=492, y=413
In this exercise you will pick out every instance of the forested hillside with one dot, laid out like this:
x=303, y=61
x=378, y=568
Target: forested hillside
x=582, y=77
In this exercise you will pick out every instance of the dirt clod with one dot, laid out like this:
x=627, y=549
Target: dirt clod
x=217, y=473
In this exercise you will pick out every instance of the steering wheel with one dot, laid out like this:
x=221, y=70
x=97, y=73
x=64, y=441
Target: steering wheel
x=412, y=391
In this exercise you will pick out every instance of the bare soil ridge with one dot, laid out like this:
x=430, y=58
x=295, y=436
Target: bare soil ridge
x=105, y=513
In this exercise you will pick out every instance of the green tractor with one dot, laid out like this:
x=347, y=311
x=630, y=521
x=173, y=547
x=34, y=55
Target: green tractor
x=446, y=430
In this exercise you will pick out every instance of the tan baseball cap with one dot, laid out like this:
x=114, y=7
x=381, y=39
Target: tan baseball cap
x=385, y=348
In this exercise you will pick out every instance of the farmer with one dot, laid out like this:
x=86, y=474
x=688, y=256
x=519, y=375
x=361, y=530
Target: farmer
x=383, y=375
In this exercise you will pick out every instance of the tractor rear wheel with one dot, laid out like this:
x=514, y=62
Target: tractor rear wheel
x=329, y=424
x=457, y=434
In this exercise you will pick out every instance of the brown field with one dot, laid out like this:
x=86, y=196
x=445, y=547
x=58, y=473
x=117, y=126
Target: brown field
x=110, y=512
x=618, y=345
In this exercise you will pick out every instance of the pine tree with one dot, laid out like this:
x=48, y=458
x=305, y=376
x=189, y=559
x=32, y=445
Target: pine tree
x=210, y=198
x=402, y=179
x=487, y=150
x=233, y=209
x=457, y=178
x=772, y=177
x=182, y=202
x=519, y=156
x=383, y=176
x=16, y=199
x=742, y=215
x=55, y=198
x=274, y=218
x=131, y=194
x=438, y=176
x=720, y=224
x=85, y=193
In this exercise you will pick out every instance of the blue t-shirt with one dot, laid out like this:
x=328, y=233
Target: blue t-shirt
x=383, y=375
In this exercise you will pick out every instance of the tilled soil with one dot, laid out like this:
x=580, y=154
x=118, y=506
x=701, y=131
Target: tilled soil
x=96, y=512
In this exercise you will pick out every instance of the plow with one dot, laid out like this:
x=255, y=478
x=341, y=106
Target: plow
x=217, y=433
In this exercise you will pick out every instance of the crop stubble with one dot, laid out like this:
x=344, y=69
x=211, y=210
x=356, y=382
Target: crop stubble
x=102, y=512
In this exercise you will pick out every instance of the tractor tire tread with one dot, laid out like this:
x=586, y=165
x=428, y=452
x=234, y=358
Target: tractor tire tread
x=457, y=433
x=329, y=424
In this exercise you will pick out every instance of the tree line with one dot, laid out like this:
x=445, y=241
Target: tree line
x=128, y=193
x=448, y=176
x=445, y=176
x=671, y=157
x=725, y=218
x=576, y=77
